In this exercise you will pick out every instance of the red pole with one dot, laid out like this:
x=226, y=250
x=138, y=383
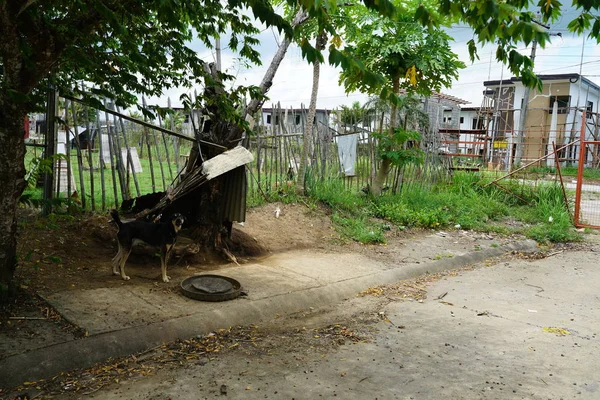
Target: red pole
x=582, y=151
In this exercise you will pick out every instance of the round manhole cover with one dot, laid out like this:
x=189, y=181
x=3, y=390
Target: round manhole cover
x=212, y=284
x=211, y=288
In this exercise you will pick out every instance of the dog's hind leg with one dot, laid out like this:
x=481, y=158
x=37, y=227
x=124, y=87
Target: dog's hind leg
x=125, y=254
x=116, y=261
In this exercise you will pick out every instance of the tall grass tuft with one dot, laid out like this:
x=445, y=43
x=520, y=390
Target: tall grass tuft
x=549, y=216
x=466, y=202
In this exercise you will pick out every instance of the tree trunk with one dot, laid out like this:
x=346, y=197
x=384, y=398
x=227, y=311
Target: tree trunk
x=386, y=165
x=12, y=182
x=307, y=137
x=267, y=81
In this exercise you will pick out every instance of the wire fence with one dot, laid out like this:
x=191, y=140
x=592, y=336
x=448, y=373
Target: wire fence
x=101, y=158
x=104, y=157
x=338, y=150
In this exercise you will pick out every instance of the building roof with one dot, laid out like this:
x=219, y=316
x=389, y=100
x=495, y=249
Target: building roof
x=297, y=110
x=573, y=78
x=442, y=96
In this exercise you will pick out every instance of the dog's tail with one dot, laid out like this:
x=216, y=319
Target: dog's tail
x=115, y=216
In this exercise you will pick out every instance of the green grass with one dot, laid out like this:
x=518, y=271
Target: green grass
x=591, y=173
x=144, y=180
x=547, y=215
x=466, y=202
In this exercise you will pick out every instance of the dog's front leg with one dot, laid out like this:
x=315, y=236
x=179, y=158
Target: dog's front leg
x=164, y=259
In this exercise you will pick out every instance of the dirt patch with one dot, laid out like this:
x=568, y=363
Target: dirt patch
x=282, y=227
x=64, y=252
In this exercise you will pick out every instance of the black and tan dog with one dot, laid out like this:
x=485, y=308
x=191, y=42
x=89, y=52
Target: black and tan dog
x=159, y=234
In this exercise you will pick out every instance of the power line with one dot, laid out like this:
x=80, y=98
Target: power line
x=571, y=66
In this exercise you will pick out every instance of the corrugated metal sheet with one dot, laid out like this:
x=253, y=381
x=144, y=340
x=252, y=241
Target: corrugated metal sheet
x=234, y=194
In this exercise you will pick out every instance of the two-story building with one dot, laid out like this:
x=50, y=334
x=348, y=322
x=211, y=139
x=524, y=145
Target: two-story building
x=554, y=114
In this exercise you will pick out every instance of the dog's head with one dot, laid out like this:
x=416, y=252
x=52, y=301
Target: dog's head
x=177, y=220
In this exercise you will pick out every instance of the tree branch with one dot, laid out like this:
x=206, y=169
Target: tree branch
x=25, y=6
x=267, y=81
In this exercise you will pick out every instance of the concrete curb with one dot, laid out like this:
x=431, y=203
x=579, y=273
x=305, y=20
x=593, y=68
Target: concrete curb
x=52, y=360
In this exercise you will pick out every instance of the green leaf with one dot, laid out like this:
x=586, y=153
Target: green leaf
x=472, y=50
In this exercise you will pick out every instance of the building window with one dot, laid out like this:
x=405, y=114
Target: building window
x=589, y=109
x=477, y=123
x=269, y=119
x=462, y=120
x=563, y=104
x=298, y=119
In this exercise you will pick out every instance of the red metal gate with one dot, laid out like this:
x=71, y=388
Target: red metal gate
x=587, y=191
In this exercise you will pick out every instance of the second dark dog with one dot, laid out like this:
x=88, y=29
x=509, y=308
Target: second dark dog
x=160, y=234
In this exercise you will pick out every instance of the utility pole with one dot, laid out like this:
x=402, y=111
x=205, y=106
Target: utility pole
x=218, y=51
x=523, y=114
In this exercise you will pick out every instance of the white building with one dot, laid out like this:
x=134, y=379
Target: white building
x=570, y=94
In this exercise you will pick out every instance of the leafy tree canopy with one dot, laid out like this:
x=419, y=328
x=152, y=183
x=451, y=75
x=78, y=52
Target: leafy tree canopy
x=126, y=47
x=399, y=50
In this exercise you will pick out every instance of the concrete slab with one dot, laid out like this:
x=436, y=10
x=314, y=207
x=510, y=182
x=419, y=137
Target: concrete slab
x=261, y=281
x=542, y=299
x=106, y=309
x=324, y=267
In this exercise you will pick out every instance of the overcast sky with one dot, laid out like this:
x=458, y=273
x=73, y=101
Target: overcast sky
x=293, y=81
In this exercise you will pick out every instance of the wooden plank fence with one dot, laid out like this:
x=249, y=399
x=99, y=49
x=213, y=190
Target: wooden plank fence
x=109, y=157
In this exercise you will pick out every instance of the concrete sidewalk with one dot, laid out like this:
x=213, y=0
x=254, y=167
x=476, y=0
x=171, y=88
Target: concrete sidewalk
x=278, y=285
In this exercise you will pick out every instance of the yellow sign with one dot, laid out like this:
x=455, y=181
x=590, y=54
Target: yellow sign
x=500, y=145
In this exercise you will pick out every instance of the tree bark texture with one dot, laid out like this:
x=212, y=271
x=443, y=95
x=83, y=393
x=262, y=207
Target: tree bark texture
x=12, y=184
x=267, y=80
x=12, y=145
x=207, y=205
x=386, y=165
x=307, y=136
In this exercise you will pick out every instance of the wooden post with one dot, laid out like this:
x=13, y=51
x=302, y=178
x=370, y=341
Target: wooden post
x=164, y=140
x=79, y=157
x=50, y=149
x=146, y=138
x=129, y=158
x=90, y=145
x=160, y=164
x=67, y=153
x=123, y=169
x=116, y=146
x=111, y=152
x=562, y=183
x=583, y=149
x=175, y=139
x=101, y=161
x=258, y=150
